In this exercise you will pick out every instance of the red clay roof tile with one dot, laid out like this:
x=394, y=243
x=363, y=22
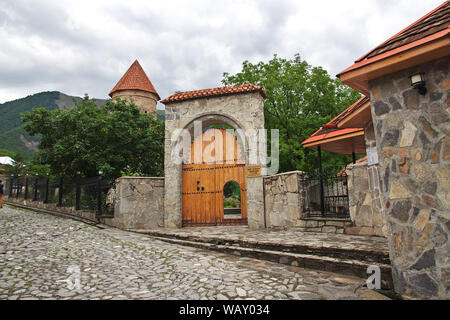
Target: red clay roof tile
x=135, y=79
x=214, y=92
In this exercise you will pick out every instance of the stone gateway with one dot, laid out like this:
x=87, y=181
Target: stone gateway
x=238, y=107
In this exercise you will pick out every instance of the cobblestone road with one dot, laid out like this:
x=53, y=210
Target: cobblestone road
x=47, y=257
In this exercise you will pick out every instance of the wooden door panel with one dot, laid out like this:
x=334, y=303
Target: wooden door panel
x=203, y=181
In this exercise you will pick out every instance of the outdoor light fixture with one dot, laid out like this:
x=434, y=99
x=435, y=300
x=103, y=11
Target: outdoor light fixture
x=418, y=82
x=100, y=172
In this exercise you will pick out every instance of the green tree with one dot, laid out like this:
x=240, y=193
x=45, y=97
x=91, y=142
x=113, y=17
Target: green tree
x=113, y=138
x=300, y=99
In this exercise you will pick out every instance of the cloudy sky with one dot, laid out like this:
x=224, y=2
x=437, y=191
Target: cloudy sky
x=79, y=47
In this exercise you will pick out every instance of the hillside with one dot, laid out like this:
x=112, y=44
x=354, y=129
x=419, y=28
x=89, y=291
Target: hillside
x=12, y=135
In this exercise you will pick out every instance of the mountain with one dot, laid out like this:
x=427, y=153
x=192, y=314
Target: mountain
x=160, y=114
x=12, y=135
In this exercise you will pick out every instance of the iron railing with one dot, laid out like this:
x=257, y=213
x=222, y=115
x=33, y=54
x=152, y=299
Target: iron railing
x=89, y=194
x=326, y=195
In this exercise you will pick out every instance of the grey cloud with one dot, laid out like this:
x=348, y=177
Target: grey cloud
x=180, y=49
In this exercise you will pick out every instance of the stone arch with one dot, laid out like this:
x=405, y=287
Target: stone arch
x=210, y=118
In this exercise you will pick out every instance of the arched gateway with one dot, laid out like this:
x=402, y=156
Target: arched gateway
x=194, y=190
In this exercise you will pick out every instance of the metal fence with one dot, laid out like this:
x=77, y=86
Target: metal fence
x=326, y=195
x=88, y=194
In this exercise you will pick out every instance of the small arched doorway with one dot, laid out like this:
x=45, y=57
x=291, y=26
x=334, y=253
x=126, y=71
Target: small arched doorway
x=216, y=158
x=232, y=200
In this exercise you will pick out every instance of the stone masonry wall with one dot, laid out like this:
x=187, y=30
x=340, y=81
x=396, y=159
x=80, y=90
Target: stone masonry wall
x=412, y=133
x=139, y=203
x=88, y=215
x=283, y=199
x=363, y=192
x=146, y=101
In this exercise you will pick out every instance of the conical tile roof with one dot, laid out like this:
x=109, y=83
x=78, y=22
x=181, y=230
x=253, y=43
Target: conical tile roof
x=135, y=79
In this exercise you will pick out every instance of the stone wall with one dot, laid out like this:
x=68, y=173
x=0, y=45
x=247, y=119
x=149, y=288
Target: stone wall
x=364, y=201
x=241, y=111
x=285, y=204
x=139, y=203
x=412, y=134
x=145, y=101
x=364, y=192
x=283, y=199
x=88, y=215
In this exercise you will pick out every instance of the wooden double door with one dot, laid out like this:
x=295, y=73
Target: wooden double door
x=204, y=180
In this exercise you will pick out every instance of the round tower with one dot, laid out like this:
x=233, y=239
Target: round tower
x=136, y=87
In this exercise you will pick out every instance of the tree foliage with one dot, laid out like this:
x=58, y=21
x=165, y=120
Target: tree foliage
x=300, y=99
x=113, y=138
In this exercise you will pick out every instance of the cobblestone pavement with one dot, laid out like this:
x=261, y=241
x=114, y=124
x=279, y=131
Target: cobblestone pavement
x=287, y=237
x=47, y=257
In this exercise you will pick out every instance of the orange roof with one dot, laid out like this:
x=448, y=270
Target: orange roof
x=331, y=129
x=339, y=140
x=433, y=27
x=135, y=79
x=349, y=111
x=215, y=92
x=320, y=135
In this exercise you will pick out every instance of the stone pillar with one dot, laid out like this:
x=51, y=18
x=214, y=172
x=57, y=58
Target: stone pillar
x=366, y=209
x=255, y=203
x=138, y=203
x=412, y=134
x=284, y=199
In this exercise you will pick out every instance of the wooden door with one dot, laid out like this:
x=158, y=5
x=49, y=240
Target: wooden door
x=204, y=178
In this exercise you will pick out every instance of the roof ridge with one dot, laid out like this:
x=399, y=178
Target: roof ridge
x=214, y=92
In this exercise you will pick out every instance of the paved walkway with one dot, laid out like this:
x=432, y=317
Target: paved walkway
x=285, y=237
x=47, y=257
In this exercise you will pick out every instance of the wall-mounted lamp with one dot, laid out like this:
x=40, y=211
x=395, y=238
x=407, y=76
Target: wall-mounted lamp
x=418, y=82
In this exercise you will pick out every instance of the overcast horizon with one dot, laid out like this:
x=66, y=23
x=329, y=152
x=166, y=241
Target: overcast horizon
x=79, y=47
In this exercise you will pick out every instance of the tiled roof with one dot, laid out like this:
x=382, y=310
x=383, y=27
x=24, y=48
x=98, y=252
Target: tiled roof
x=434, y=22
x=135, y=79
x=215, y=92
x=349, y=110
x=322, y=134
x=331, y=130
